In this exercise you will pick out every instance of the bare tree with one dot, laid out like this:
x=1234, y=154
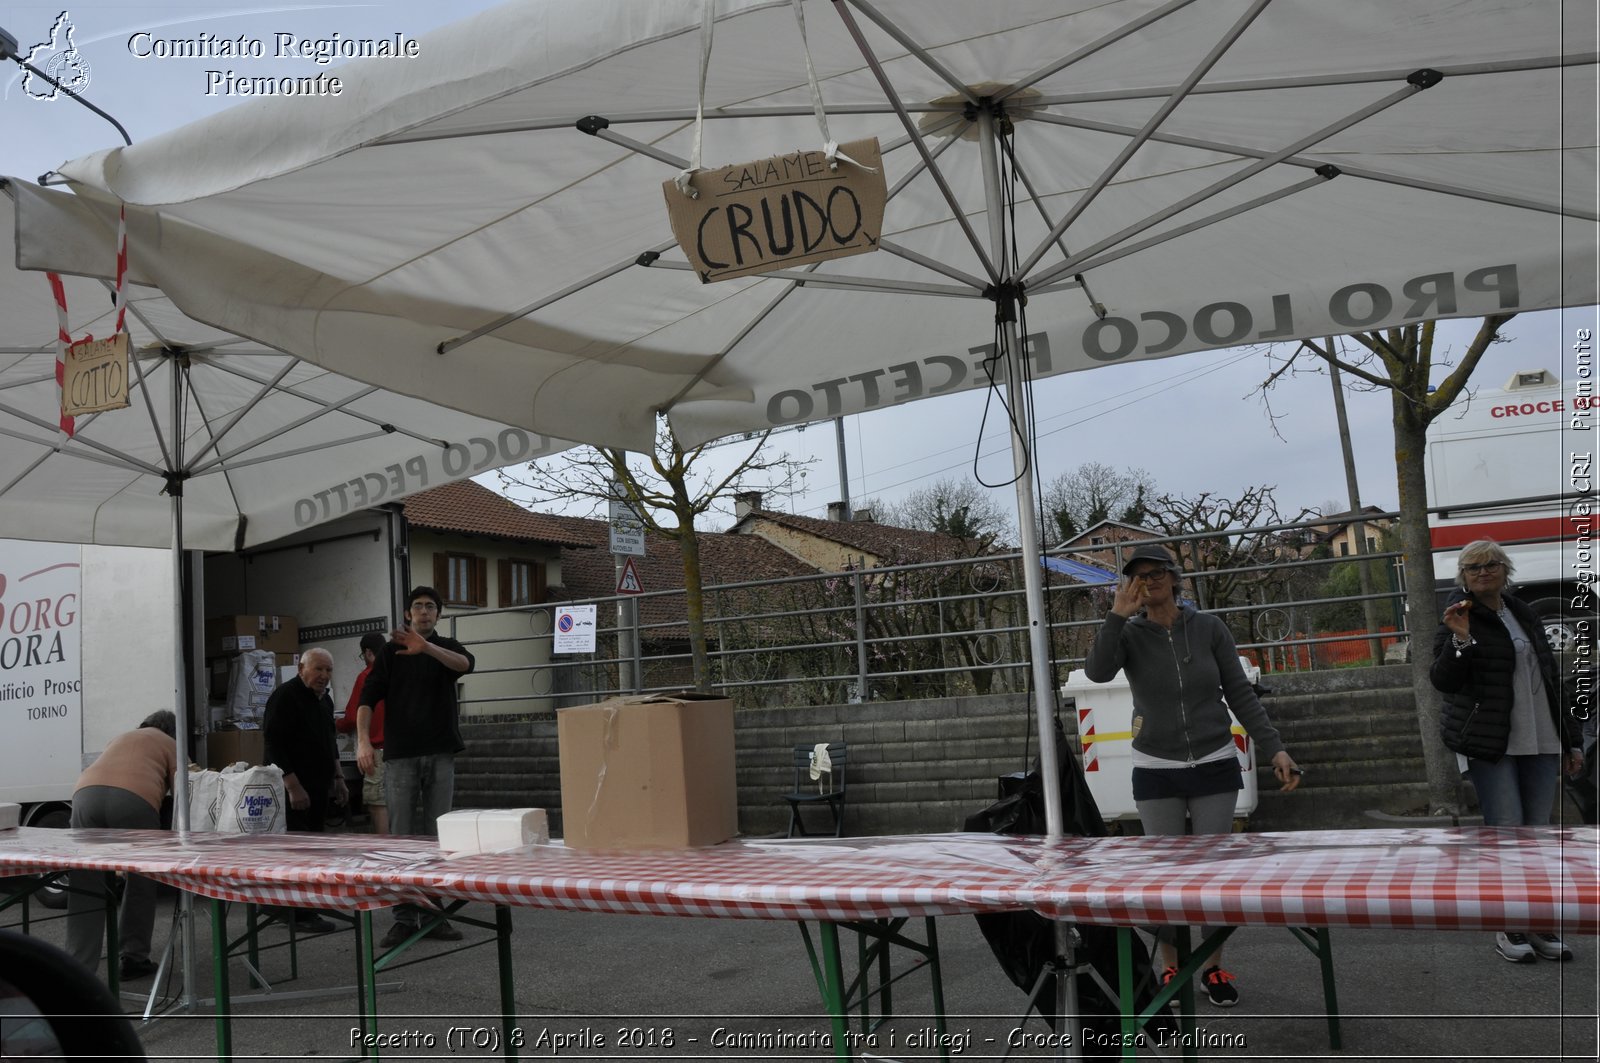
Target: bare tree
x=1224, y=550
x=1401, y=361
x=1093, y=492
x=954, y=506
x=669, y=489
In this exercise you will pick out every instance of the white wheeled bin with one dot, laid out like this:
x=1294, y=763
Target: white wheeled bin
x=1104, y=712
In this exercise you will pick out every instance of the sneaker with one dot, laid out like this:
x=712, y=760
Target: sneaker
x=1219, y=987
x=397, y=935
x=444, y=932
x=1514, y=948
x=132, y=968
x=1550, y=947
x=1167, y=975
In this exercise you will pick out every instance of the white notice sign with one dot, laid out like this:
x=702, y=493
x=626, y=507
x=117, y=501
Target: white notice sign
x=574, y=630
x=627, y=530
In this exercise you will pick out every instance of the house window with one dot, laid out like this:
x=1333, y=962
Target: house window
x=1344, y=547
x=1097, y=540
x=521, y=582
x=462, y=579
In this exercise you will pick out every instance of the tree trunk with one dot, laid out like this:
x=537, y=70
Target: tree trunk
x=1422, y=611
x=694, y=606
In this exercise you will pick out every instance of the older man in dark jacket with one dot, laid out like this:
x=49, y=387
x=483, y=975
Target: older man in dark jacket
x=300, y=739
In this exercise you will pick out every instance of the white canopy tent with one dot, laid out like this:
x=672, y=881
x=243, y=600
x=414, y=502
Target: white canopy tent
x=481, y=225
x=268, y=444
x=1071, y=183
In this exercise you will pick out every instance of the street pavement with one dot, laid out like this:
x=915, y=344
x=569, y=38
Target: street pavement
x=606, y=987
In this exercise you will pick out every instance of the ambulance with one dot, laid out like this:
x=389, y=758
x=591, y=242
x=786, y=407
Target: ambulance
x=1515, y=465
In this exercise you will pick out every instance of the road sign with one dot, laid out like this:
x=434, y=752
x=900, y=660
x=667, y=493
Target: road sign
x=575, y=628
x=627, y=530
x=628, y=579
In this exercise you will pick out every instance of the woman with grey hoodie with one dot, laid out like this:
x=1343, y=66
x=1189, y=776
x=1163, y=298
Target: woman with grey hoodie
x=1181, y=664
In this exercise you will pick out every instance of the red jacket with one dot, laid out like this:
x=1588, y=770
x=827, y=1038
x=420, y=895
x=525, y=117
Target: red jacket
x=347, y=723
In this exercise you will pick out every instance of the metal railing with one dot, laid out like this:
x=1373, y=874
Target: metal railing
x=931, y=629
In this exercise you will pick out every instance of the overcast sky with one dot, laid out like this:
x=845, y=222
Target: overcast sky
x=1194, y=422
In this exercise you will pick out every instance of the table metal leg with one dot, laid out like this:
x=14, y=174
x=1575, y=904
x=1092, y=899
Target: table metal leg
x=113, y=938
x=369, y=981
x=937, y=975
x=508, y=982
x=831, y=982
x=1319, y=940
x=1186, y=1023
x=219, y=974
x=1128, y=1004
x=252, y=943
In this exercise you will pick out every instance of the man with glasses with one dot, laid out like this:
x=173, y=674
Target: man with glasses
x=415, y=677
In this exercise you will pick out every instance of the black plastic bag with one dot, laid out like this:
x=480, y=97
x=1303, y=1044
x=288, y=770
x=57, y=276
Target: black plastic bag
x=1024, y=943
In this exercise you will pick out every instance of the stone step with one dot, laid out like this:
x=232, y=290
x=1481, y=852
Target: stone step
x=1335, y=727
x=1347, y=748
x=1336, y=808
x=1301, y=706
x=1345, y=774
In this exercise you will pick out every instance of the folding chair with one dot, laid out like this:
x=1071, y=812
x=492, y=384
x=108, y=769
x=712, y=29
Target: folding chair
x=827, y=788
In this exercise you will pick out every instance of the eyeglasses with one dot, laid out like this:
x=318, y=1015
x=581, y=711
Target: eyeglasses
x=1149, y=575
x=1487, y=566
x=424, y=607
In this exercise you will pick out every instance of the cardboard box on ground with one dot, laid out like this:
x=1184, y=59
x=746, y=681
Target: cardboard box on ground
x=648, y=772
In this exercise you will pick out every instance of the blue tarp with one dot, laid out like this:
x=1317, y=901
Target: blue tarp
x=1093, y=575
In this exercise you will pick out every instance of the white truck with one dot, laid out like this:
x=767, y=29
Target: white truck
x=86, y=652
x=1513, y=465
x=88, y=638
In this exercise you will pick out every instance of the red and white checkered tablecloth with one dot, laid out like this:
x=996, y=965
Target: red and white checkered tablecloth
x=306, y=870
x=1463, y=878
x=1471, y=878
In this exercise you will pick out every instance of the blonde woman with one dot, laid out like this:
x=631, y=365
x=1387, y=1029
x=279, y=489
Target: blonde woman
x=1502, y=710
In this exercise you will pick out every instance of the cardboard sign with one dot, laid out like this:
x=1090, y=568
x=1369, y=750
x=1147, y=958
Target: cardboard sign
x=96, y=376
x=779, y=212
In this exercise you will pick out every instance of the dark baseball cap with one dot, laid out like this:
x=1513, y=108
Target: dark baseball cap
x=372, y=641
x=1149, y=552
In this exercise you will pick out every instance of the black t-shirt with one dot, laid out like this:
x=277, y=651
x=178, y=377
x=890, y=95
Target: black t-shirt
x=421, y=716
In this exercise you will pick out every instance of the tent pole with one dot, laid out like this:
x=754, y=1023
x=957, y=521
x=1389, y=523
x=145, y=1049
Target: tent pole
x=1027, y=514
x=1026, y=470
x=180, y=686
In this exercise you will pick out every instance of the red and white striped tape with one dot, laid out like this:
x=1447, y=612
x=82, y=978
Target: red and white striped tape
x=63, y=341
x=69, y=424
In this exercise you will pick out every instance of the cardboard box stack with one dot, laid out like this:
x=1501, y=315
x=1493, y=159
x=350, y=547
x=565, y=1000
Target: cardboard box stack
x=245, y=659
x=648, y=772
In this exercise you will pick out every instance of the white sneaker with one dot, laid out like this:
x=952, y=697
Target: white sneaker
x=1550, y=947
x=1514, y=948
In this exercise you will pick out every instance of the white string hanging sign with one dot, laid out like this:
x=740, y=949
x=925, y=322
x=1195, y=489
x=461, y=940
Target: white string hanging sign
x=778, y=212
